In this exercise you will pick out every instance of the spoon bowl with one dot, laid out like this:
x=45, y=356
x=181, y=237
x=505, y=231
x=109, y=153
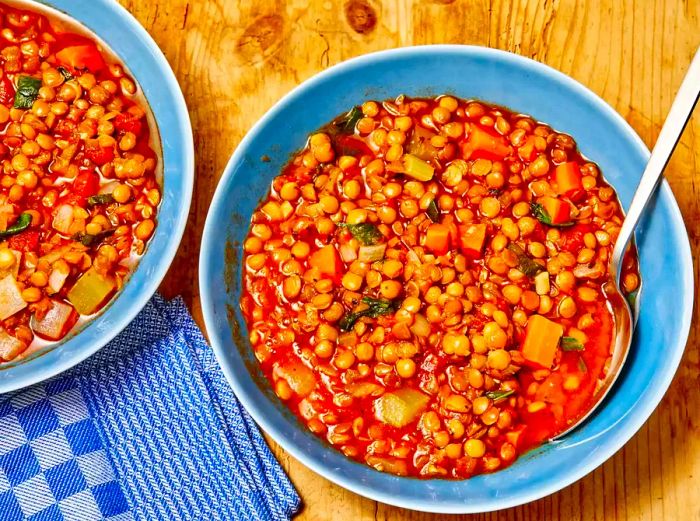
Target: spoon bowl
x=670, y=135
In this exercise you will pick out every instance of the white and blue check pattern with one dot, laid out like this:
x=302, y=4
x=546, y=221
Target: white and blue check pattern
x=53, y=464
x=147, y=429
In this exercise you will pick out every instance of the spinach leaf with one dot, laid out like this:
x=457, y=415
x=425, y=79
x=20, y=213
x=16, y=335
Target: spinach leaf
x=21, y=224
x=346, y=124
x=498, y=395
x=433, y=212
x=582, y=365
x=94, y=200
x=569, y=343
x=65, y=73
x=88, y=239
x=525, y=264
x=541, y=215
x=376, y=308
x=367, y=233
x=27, y=92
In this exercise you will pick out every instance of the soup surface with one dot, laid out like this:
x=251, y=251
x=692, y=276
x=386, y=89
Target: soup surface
x=78, y=188
x=422, y=285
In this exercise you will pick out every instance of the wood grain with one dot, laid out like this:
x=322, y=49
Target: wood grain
x=235, y=59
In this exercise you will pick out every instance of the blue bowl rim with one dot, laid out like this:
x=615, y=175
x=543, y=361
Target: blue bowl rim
x=258, y=414
x=32, y=371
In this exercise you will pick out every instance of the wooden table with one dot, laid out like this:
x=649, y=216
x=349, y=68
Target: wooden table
x=235, y=59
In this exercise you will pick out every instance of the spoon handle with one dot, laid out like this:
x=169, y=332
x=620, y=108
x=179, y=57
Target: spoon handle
x=669, y=136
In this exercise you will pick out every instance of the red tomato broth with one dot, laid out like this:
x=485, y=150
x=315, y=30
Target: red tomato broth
x=338, y=383
x=80, y=154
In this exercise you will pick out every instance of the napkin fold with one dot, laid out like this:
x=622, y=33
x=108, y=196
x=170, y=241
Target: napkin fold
x=145, y=429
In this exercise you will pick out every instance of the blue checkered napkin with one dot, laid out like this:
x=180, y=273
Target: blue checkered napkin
x=145, y=429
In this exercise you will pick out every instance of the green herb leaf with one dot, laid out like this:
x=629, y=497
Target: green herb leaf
x=88, y=239
x=65, y=73
x=367, y=233
x=525, y=264
x=541, y=215
x=27, y=92
x=94, y=200
x=346, y=124
x=21, y=224
x=498, y=395
x=569, y=343
x=379, y=307
x=433, y=212
x=582, y=365
x=376, y=308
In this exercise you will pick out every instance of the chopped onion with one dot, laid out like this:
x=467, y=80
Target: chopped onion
x=53, y=325
x=582, y=271
x=421, y=326
x=57, y=279
x=11, y=300
x=10, y=347
x=347, y=252
x=14, y=269
x=63, y=219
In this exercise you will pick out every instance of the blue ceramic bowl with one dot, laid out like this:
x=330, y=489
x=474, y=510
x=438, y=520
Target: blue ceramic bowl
x=135, y=48
x=522, y=85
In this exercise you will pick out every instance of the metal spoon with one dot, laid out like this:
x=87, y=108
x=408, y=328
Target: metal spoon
x=670, y=134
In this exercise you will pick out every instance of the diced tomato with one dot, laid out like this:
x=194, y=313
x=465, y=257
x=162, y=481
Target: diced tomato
x=98, y=154
x=471, y=239
x=66, y=129
x=559, y=211
x=126, y=122
x=86, y=184
x=481, y=143
x=437, y=238
x=572, y=238
x=350, y=146
x=7, y=91
x=72, y=198
x=566, y=178
x=27, y=240
x=80, y=57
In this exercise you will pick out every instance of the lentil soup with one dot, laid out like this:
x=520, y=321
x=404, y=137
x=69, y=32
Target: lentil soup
x=423, y=284
x=79, y=186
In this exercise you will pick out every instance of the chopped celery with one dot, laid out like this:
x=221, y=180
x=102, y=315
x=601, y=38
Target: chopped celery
x=417, y=168
x=372, y=253
x=401, y=407
x=90, y=291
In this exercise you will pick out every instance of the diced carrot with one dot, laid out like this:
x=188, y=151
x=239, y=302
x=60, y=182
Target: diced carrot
x=527, y=149
x=437, y=238
x=559, y=211
x=326, y=260
x=81, y=57
x=472, y=238
x=567, y=178
x=514, y=436
x=454, y=232
x=541, y=341
x=480, y=140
